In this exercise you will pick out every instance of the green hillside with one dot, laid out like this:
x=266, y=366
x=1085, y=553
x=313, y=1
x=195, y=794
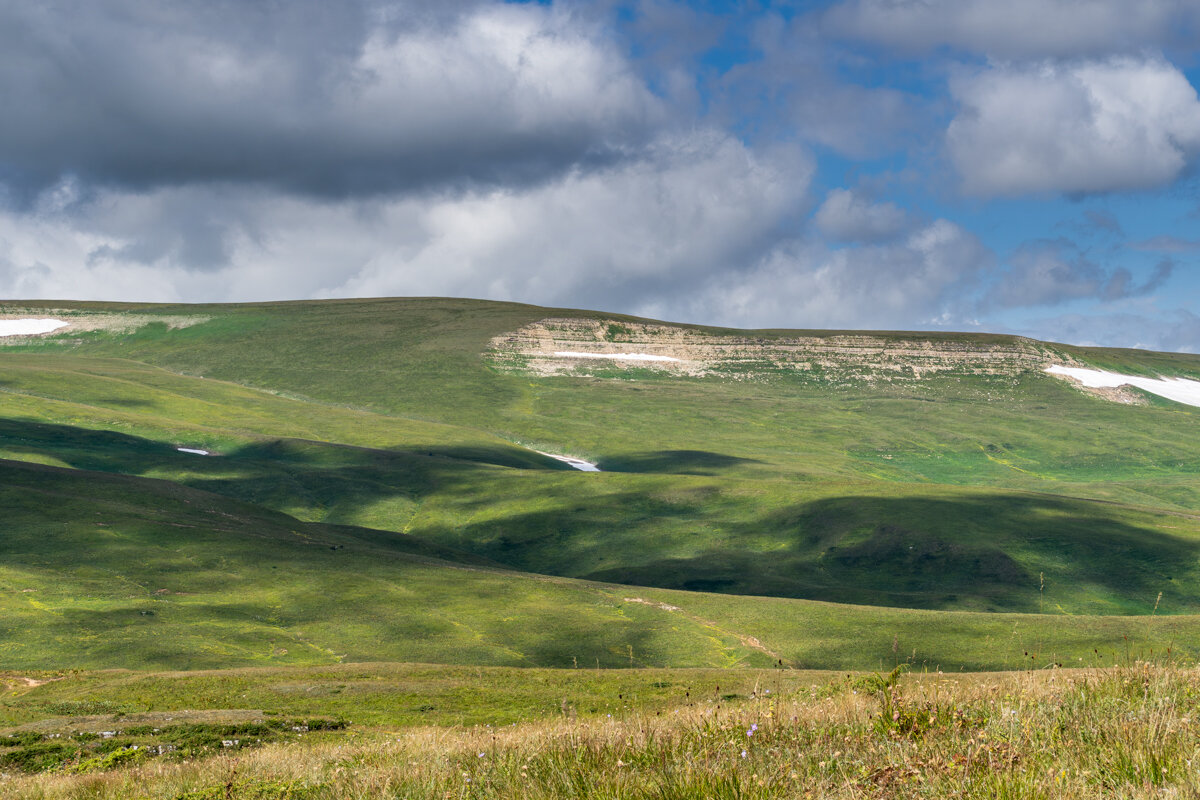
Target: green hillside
x=111, y=571
x=374, y=492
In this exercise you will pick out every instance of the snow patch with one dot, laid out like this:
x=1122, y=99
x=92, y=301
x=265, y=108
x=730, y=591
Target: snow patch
x=194, y=451
x=29, y=327
x=1181, y=390
x=577, y=463
x=621, y=356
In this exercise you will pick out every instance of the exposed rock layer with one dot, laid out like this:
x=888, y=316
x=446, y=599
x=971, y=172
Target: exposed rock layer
x=546, y=347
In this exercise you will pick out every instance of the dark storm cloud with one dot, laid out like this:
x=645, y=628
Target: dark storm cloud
x=324, y=98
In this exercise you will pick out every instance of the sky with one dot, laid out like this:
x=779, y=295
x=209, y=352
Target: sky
x=1026, y=167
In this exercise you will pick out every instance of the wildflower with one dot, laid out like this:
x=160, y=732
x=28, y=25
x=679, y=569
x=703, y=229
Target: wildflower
x=743, y=754
x=481, y=755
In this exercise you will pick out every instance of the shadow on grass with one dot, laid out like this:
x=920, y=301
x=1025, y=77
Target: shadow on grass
x=978, y=551
x=982, y=550
x=682, y=462
x=409, y=470
x=309, y=480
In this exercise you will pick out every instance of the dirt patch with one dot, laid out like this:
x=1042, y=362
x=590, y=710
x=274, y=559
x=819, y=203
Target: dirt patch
x=663, y=606
x=1120, y=394
x=606, y=348
x=9, y=681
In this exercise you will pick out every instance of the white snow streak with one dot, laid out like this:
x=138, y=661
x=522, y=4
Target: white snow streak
x=1181, y=390
x=620, y=356
x=29, y=327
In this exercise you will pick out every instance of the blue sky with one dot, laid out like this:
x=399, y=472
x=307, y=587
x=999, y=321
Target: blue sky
x=1027, y=167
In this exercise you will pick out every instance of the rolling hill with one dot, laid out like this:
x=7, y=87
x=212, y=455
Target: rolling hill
x=376, y=488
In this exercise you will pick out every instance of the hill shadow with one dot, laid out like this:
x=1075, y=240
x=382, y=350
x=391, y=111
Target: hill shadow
x=978, y=551
x=681, y=462
x=982, y=550
x=290, y=475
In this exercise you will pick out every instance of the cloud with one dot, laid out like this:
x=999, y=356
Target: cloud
x=689, y=207
x=692, y=206
x=1176, y=330
x=1019, y=28
x=1099, y=219
x=802, y=87
x=1167, y=244
x=847, y=216
x=327, y=99
x=700, y=228
x=1050, y=272
x=917, y=282
x=1098, y=126
x=604, y=155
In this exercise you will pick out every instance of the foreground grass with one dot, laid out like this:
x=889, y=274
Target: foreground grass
x=1121, y=732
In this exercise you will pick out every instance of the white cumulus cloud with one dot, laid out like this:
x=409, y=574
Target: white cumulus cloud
x=1092, y=126
x=658, y=225
x=919, y=280
x=849, y=217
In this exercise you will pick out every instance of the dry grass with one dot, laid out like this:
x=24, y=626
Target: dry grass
x=1126, y=732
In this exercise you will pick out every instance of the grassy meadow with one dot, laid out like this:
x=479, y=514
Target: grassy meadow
x=374, y=539
x=1118, y=732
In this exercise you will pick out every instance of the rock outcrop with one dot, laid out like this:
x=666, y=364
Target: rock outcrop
x=608, y=348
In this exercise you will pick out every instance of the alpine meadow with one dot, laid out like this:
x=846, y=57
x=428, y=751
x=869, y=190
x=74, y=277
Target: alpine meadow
x=228, y=526
x=599, y=400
